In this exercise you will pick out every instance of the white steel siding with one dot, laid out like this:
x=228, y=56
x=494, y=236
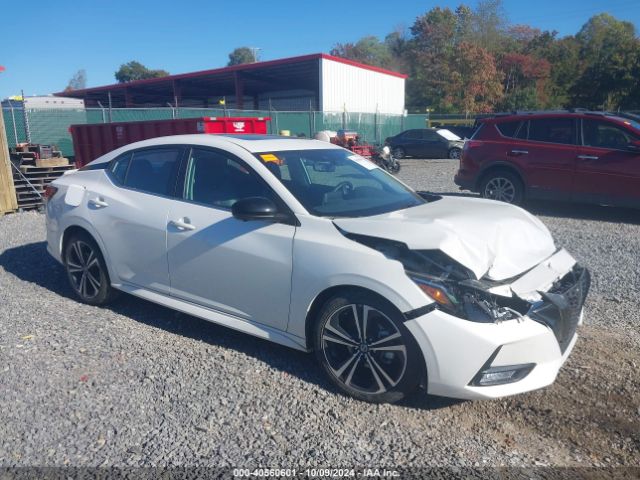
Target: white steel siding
x=359, y=90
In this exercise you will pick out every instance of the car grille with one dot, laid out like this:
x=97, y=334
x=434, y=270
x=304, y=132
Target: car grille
x=561, y=306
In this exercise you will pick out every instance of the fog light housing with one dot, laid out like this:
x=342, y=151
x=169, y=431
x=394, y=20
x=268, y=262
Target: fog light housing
x=501, y=375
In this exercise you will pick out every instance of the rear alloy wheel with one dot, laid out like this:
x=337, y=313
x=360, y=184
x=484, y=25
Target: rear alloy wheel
x=365, y=351
x=87, y=271
x=502, y=186
x=398, y=152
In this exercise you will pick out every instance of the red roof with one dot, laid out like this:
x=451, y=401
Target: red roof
x=242, y=67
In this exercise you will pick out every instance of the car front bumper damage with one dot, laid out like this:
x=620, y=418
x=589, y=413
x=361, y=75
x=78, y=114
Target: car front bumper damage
x=472, y=360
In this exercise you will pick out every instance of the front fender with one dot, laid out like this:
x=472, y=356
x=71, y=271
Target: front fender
x=323, y=258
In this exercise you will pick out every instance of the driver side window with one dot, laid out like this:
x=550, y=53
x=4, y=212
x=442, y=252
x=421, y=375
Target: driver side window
x=597, y=133
x=213, y=179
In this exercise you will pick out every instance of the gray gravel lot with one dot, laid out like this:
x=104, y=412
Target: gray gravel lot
x=138, y=384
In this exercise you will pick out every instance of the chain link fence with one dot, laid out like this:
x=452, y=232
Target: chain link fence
x=51, y=126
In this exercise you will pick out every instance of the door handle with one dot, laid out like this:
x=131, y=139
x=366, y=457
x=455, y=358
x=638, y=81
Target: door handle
x=588, y=157
x=182, y=224
x=98, y=202
x=519, y=152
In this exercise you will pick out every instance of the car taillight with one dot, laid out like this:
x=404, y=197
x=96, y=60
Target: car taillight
x=49, y=192
x=473, y=143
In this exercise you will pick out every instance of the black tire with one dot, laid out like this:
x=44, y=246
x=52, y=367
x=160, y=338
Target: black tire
x=87, y=271
x=398, y=152
x=374, y=370
x=502, y=185
x=454, y=153
x=396, y=167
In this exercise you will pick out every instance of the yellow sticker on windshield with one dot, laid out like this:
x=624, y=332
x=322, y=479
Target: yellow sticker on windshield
x=270, y=157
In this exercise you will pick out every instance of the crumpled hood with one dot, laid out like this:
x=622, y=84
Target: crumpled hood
x=488, y=237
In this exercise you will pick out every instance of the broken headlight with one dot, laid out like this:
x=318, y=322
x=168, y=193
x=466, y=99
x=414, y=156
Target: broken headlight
x=451, y=285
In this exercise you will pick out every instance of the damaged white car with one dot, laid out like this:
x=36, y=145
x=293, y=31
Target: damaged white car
x=305, y=244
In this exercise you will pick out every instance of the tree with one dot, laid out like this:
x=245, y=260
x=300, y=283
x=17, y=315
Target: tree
x=489, y=24
x=563, y=56
x=369, y=50
x=133, y=70
x=475, y=85
x=78, y=81
x=242, y=55
x=609, y=50
x=525, y=80
x=429, y=54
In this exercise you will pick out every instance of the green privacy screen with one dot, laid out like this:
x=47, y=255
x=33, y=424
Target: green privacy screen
x=51, y=126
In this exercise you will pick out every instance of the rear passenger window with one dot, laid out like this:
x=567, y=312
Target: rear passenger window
x=508, y=129
x=119, y=167
x=524, y=131
x=154, y=170
x=552, y=130
x=429, y=135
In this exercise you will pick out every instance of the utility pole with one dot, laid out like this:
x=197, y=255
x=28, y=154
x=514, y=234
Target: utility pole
x=254, y=51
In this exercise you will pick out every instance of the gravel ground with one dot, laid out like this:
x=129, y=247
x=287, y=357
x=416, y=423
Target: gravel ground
x=138, y=384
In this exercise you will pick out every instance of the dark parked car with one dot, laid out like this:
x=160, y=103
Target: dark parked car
x=463, y=131
x=576, y=156
x=426, y=143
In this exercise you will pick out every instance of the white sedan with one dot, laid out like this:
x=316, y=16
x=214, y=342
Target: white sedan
x=308, y=245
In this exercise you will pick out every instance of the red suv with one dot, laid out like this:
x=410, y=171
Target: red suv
x=571, y=156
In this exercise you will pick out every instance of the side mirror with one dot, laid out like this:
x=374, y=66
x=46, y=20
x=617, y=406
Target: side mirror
x=255, y=208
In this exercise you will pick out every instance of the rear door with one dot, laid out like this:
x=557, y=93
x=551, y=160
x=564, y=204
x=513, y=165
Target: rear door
x=545, y=150
x=242, y=269
x=130, y=214
x=608, y=171
x=433, y=145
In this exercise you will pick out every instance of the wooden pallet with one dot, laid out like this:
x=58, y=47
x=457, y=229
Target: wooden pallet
x=31, y=184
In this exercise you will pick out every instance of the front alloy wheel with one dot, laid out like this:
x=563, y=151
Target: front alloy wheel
x=365, y=352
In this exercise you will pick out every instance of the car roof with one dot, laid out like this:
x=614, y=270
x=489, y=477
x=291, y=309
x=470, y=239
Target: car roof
x=251, y=142
x=618, y=117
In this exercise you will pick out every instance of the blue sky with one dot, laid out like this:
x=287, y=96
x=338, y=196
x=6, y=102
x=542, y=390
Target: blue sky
x=57, y=38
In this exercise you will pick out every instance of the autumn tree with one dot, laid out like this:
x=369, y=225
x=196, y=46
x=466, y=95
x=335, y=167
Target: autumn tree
x=134, y=70
x=475, y=85
x=525, y=81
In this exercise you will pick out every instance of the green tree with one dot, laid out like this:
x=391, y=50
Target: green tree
x=429, y=54
x=609, y=50
x=133, y=70
x=563, y=56
x=369, y=50
x=78, y=81
x=489, y=24
x=242, y=55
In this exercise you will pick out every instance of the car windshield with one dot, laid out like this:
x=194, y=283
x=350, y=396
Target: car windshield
x=338, y=183
x=448, y=134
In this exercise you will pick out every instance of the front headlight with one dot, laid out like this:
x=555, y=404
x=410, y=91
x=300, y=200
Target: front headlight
x=438, y=293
